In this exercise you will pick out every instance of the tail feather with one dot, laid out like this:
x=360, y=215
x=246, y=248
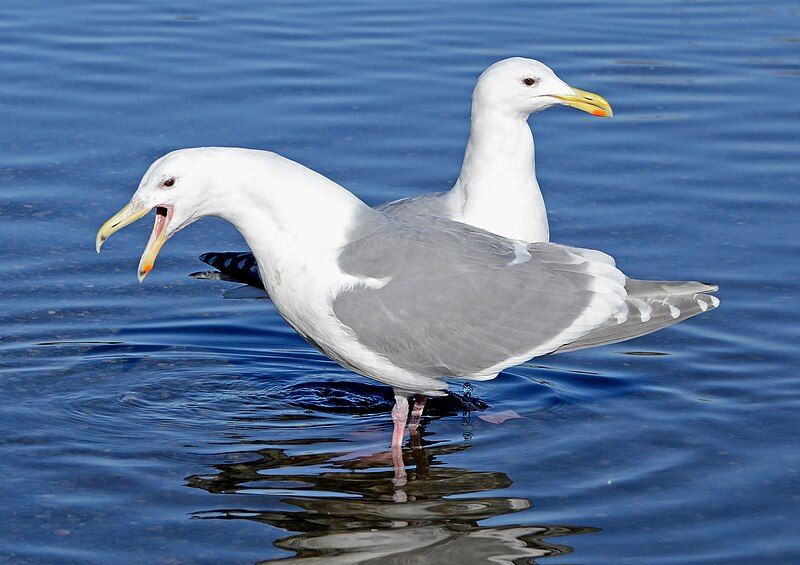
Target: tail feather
x=650, y=306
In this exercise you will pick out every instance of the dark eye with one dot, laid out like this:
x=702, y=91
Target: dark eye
x=169, y=182
x=530, y=81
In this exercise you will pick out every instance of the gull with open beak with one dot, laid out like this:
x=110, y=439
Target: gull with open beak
x=136, y=209
x=411, y=302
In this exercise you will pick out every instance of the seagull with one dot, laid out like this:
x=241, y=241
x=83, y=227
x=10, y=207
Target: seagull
x=410, y=301
x=497, y=188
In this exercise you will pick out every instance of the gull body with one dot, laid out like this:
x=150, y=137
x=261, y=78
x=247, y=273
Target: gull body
x=409, y=301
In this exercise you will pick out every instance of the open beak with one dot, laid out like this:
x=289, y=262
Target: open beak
x=158, y=236
x=589, y=102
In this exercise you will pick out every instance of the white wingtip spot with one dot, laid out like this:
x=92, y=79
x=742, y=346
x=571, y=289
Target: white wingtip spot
x=714, y=301
x=703, y=305
x=621, y=315
x=645, y=310
x=674, y=311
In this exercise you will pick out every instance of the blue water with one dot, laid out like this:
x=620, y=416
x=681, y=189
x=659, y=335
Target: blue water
x=162, y=423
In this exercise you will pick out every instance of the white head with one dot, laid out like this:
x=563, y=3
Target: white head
x=188, y=184
x=520, y=86
x=176, y=185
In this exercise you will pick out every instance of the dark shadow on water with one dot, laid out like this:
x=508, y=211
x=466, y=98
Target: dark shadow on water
x=342, y=504
x=355, y=397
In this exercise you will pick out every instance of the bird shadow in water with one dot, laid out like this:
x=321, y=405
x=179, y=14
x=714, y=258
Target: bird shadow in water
x=345, y=503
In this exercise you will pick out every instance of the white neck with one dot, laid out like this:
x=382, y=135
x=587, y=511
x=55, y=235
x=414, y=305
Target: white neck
x=497, y=189
x=295, y=221
x=290, y=216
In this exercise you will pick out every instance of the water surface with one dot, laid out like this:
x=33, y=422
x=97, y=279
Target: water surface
x=161, y=423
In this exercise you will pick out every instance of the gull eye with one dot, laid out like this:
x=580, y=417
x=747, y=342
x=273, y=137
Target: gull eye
x=169, y=182
x=530, y=81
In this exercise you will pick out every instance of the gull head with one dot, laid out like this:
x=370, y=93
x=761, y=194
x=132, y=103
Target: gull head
x=520, y=86
x=177, y=186
x=259, y=192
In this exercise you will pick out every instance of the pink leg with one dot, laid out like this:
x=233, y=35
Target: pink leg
x=399, y=417
x=416, y=412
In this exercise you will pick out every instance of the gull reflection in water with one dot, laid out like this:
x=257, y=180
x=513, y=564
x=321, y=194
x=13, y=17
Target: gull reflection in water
x=345, y=507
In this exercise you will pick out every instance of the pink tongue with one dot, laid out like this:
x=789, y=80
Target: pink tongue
x=158, y=227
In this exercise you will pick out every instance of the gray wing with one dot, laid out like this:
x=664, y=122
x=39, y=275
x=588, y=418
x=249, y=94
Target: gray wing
x=444, y=299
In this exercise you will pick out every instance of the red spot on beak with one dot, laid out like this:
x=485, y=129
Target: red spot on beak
x=147, y=268
x=599, y=112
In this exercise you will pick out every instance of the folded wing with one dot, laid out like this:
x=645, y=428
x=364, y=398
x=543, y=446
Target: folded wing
x=450, y=300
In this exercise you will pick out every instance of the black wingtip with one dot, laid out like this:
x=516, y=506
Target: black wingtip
x=239, y=266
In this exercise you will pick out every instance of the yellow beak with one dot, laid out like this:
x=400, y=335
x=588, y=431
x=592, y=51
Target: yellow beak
x=124, y=217
x=589, y=102
x=127, y=216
